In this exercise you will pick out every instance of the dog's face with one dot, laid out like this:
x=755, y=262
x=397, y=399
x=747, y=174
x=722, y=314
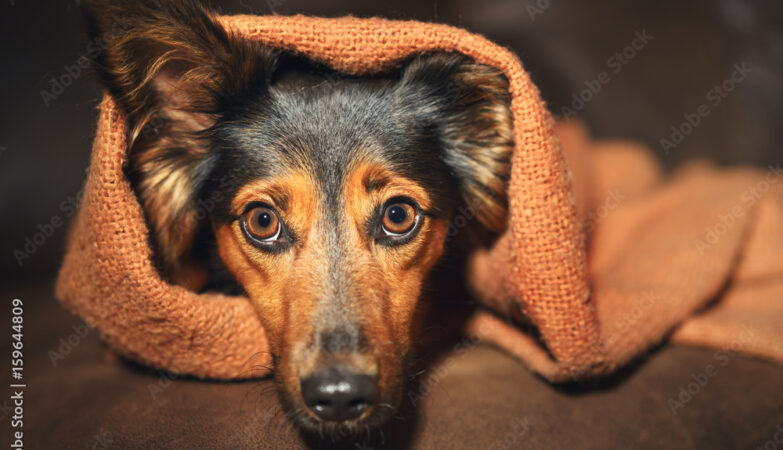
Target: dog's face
x=328, y=196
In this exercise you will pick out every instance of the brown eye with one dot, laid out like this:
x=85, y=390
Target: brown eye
x=398, y=218
x=262, y=223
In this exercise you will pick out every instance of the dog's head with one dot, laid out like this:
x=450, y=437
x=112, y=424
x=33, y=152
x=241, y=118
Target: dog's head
x=329, y=196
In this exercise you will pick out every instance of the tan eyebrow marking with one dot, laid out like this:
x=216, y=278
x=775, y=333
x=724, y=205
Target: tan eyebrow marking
x=281, y=198
x=277, y=191
x=374, y=180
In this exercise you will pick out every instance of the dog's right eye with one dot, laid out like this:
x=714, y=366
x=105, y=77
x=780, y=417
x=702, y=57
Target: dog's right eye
x=262, y=224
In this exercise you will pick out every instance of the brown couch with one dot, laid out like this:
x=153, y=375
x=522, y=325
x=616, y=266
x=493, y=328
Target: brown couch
x=475, y=397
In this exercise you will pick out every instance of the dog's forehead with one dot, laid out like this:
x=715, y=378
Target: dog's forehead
x=326, y=128
x=332, y=123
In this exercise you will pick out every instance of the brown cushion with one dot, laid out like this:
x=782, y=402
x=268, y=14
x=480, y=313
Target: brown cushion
x=475, y=398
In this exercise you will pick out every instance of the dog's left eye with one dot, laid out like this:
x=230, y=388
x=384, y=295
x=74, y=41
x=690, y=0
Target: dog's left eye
x=262, y=223
x=399, y=218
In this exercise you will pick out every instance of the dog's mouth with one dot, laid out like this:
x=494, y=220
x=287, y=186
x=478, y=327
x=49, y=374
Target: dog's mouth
x=373, y=416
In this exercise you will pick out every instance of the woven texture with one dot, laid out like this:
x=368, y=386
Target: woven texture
x=652, y=260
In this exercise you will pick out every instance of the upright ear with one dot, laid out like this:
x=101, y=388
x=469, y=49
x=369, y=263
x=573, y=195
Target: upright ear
x=172, y=69
x=473, y=119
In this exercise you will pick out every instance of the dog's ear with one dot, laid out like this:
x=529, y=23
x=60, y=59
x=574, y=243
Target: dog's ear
x=172, y=69
x=473, y=119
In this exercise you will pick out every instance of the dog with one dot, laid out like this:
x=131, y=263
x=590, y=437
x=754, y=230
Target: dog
x=323, y=197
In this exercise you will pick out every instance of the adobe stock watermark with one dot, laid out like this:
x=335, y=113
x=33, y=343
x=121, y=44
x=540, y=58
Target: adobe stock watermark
x=512, y=439
x=749, y=197
x=442, y=370
x=68, y=343
x=101, y=440
x=165, y=378
x=700, y=380
x=275, y=4
x=537, y=8
x=73, y=71
x=775, y=442
x=631, y=318
x=713, y=98
x=610, y=203
x=614, y=65
x=44, y=231
x=436, y=377
x=460, y=220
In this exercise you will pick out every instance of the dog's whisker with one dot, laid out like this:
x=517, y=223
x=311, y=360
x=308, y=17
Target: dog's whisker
x=415, y=375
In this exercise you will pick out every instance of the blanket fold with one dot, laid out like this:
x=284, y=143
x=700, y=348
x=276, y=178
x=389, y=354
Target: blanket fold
x=603, y=256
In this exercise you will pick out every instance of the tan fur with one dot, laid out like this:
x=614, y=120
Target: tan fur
x=284, y=286
x=488, y=142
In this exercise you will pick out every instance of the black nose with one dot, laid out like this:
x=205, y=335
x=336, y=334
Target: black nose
x=338, y=395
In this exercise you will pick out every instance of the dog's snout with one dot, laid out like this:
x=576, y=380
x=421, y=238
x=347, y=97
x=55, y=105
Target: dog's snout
x=335, y=395
x=341, y=340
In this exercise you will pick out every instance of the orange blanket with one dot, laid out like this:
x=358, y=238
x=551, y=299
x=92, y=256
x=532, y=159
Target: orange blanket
x=603, y=257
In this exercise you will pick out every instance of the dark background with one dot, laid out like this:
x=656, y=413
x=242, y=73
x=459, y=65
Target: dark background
x=87, y=400
x=565, y=44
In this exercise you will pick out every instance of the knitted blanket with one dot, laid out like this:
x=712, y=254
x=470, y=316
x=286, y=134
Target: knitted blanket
x=602, y=259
